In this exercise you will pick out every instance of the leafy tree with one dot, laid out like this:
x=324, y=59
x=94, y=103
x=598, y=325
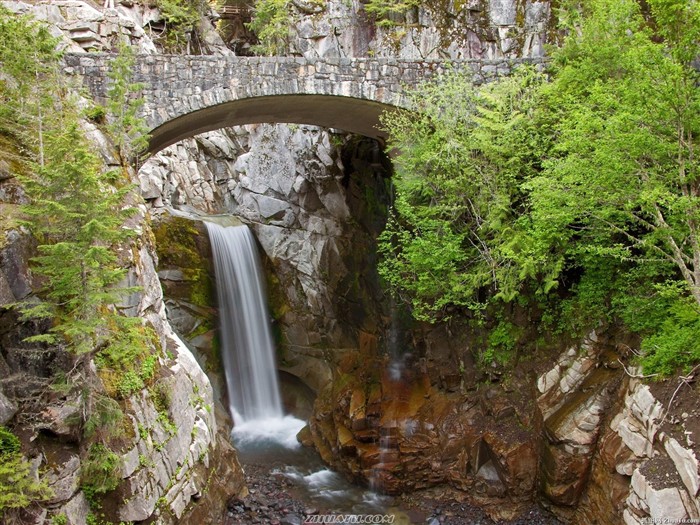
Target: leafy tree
x=588, y=183
x=77, y=217
x=456, y=237
x=181, y=19
x=622, y=185
x=76, y=211
x=271, y=23
x=28, y=58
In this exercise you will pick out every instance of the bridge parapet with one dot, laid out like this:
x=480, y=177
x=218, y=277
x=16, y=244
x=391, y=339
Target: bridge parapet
x=189, y=94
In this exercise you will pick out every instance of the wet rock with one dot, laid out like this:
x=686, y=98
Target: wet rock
x=19, y=247
x=8, y=408
x=573, y=402
x=63, y=419
x=64, y=480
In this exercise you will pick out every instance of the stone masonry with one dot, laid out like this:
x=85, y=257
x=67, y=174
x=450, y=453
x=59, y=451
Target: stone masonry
x=186, y=95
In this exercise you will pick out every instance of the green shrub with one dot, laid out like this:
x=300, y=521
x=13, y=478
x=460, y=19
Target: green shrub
x=9, y=443
x=100, y=471
x=181, y=17
x=675, y=343
x=271, y=23
x=59, y=519
x=106, y=418
x=502, y=341
x=18, y=485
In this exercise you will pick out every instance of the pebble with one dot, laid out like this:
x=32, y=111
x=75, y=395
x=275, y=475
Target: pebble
x=271, y=502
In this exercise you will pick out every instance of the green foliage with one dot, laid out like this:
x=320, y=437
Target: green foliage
x=59, y=519
x=456, y=237
x=271, y=23
x=587, y=184
x=162, y=396
x=9, y=443
x=18, y=484
x=146, y=461
x=389, y=13
x=106, y=418
x=76, y=212
x=28, y=57
x=621, y=188
x=129, y=362
x=176, y=246
x=181, y=20
x=128, y=132
x=668, y=320
x=502, y=341
x=77, y=217
x=675, y=345
x=167, y=423
x=143, y=432
x=100, y=472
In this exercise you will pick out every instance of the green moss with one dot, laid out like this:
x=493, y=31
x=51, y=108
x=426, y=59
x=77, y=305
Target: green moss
x=176, y=246
x=175, y=243
x=201, y=287
x=201, y=329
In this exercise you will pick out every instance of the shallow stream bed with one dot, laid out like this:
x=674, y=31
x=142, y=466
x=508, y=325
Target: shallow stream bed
x=288, y=483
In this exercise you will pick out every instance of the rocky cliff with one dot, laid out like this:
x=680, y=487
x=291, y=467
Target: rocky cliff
x=174, y=460
x=556, y=429
x=572, y=428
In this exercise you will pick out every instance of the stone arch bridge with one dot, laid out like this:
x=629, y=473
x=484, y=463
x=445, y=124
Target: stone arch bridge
x=186, y=95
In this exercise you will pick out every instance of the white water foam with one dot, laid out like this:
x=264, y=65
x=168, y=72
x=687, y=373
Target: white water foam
x=268, y=432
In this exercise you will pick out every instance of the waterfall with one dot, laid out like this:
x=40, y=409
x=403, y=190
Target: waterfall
x=247, y=351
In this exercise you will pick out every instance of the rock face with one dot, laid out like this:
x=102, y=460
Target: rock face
x=636, y=471
x=172, y=445
x=386, y=424
x=574, y=398
x=441, y=29
x=663, y=472
x=314, y=221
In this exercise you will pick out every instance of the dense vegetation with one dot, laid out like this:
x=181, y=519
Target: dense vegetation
x=575, y=193
x=77, y=212
x=273, y=21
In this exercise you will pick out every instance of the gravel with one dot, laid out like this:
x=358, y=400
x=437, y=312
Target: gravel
x=275, y=499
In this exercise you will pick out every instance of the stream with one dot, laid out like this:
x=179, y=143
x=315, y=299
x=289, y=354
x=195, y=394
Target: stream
x=290, y=485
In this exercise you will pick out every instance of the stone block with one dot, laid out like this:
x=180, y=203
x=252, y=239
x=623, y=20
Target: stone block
x=686, y=464
x=8, y=408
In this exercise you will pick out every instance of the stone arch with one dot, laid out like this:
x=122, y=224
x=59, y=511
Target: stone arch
x=349, y=114
x=187, y=94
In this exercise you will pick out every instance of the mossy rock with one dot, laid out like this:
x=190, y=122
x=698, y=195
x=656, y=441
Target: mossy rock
x=183, y=244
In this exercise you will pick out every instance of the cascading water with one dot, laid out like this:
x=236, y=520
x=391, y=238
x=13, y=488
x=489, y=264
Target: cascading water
x=246, y=342
x=262, y=434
